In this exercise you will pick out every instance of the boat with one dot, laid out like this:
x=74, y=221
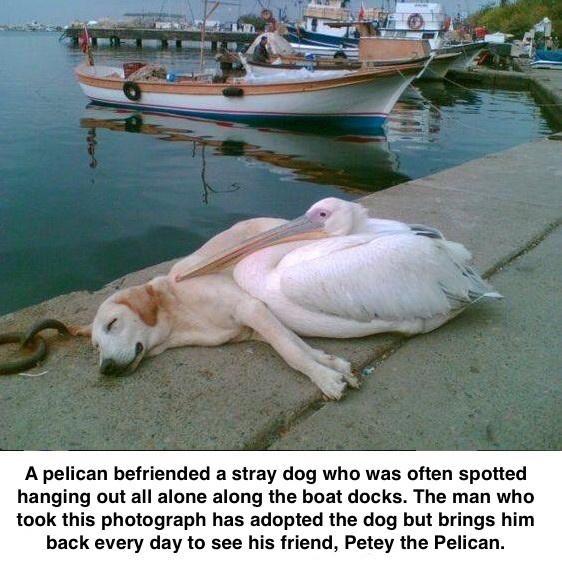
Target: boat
x=356, y=98
x=315, y=30
x=428, y=21
x=330, y=29
x=373, y=52
x=547, y=59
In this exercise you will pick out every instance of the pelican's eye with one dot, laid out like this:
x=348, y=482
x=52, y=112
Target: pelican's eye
x=319, y=215
x=110, y=324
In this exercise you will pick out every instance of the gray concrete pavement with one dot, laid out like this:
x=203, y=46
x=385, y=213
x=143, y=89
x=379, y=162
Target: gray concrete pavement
x=244, y=396
x=492, y=379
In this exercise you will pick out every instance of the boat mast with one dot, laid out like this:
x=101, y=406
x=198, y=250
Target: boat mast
x=203, y=28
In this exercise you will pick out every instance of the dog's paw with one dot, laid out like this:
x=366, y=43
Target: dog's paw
x=352, y=380
x=330, y=382
x=338, y=364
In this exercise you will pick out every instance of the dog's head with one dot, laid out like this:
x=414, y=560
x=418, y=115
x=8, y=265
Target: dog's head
x=125, y=328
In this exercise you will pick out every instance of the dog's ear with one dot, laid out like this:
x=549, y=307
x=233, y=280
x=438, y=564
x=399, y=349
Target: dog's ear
x=144, y=301
x=80, y=330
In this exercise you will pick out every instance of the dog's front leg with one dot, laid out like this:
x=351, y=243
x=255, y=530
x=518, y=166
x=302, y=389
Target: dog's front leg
x=256, y=315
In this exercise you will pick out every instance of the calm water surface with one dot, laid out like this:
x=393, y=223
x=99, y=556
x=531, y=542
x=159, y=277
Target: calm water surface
x=88, y=194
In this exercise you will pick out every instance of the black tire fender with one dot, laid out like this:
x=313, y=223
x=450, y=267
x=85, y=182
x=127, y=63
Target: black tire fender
x=233, y=92
x=132, y=90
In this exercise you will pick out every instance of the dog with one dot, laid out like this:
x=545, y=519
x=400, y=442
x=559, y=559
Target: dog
x=210, y=310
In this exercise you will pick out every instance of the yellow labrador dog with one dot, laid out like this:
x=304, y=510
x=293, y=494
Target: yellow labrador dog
x=208, y=310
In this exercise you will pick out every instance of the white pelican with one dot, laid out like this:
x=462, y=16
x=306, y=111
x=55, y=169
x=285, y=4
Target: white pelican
x=333, y=272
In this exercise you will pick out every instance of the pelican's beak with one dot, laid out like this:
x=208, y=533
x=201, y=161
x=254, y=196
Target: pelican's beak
x=299, y=229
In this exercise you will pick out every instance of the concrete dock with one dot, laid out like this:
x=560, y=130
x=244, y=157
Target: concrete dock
x=490, y=379
x=116, y=35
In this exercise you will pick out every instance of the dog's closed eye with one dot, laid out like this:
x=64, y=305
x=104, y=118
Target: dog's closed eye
x=110, y=324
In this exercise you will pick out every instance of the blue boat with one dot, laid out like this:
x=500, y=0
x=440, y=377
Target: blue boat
x=315, y=29
x=547, y=59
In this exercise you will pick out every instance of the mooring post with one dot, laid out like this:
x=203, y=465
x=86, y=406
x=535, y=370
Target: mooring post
x=94, y=41
x=164, y=43
x=214, y=46
x=75, y=40
x=224, y=45
x=178, y=43
x=139, y=42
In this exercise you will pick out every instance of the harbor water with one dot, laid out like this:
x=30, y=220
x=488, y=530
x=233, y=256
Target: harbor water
x=88, y=194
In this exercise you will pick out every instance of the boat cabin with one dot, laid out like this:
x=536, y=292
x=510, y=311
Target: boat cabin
x=418, y=21
x=319, y=13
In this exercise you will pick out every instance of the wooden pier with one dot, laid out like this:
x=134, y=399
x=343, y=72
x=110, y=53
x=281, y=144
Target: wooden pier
x=116, y=35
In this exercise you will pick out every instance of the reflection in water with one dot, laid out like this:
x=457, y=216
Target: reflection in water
x=207, y=188
x=418, y=115
x=91, y=140
x=353, y=162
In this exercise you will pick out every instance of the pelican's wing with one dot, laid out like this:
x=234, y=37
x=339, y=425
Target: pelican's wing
x=394, y=277
x=381, y=226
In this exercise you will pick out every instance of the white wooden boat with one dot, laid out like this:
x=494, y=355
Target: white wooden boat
x=358, y=97
x=469, y=53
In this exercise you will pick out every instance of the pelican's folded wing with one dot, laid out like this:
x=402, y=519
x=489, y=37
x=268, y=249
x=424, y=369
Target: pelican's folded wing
x=392, y=277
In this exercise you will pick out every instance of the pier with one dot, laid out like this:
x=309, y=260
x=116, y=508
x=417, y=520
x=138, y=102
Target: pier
x=166, y=37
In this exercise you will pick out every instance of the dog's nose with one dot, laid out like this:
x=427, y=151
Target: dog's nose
x=109, y=367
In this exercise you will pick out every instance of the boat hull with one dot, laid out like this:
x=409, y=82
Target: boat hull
x=440, y=65
x=468, y=54
x=353, y=98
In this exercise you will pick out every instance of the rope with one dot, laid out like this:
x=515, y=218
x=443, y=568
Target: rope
x=29, y=341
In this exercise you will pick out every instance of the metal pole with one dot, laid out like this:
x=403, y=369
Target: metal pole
x=202, y=54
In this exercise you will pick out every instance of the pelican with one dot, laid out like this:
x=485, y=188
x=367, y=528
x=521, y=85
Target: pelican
x=333, y=272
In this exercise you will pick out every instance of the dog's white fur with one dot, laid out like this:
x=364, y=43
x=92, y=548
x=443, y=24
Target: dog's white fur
x=208, y=310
